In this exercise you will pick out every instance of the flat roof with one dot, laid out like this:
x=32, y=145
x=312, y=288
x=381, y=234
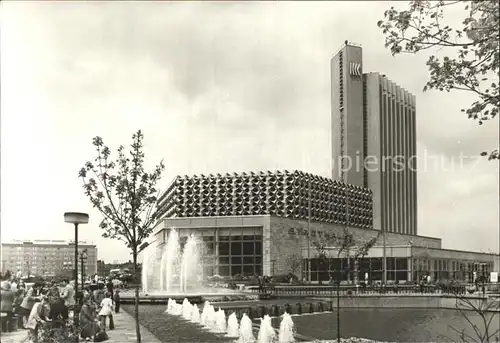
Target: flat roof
x=454, y=253
x=47, y=242
x=458, y=251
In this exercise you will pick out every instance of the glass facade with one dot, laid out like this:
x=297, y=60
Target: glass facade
x=450, y=269
x=370, y=267
x=399, y=269
x=229, y=251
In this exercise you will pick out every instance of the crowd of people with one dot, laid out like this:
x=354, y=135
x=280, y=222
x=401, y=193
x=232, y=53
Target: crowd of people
x=44, y=307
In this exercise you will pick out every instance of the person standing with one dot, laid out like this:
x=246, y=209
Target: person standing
x=88, y=323
x=53, y=293
x=68, y=294
x=109, y=285
x=29, y=300
x=116, y=298
x=18, y=299
x=36, y=318
x=107, y=311
x=59, y=311
x=6, y=306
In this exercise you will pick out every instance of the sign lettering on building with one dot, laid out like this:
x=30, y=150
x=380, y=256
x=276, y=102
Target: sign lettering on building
x=355, y=69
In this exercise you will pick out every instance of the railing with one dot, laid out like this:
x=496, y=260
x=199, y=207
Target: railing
x=353, y=290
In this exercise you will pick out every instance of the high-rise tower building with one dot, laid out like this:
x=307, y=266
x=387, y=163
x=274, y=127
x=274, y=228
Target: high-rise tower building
x=374, y=140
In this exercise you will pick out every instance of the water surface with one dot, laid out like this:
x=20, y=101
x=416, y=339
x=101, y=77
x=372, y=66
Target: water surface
x=392, y=325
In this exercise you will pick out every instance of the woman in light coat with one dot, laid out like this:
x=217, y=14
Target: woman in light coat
x=36, y=318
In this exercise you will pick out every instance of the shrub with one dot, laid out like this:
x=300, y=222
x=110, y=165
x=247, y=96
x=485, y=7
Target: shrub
x=285, y=278
x=57, y=332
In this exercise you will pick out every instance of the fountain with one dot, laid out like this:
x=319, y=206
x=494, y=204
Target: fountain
x=190, y=259
x=175, y=270
x=148, y=254
x=286, y=332
x=186, y=309
x=232, y=326
x=178, y=309
x=178, y=271
x=220, y=321
x=195, y=314
x=210, y=319
x=246, y=330
x=266, y=332
x=171, y=306
x=204, y=313
x=169, y=261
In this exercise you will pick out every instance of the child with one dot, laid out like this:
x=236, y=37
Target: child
x=117, y=300
x=107, y=311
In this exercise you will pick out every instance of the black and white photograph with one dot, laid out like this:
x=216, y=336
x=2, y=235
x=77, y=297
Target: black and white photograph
x=250, y=171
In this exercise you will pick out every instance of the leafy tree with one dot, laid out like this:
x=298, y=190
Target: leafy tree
x=471, y=51
x=126, y=196
x=345, y=243
x=293, y=262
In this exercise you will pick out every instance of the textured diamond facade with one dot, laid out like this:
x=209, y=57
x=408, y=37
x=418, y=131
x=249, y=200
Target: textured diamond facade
x=282, y=194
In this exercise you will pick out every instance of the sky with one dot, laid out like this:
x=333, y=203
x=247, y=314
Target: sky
x=215, y=87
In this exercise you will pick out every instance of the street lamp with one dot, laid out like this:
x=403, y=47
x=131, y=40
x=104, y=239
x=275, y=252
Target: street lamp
x=83, y=258
x=76, y=218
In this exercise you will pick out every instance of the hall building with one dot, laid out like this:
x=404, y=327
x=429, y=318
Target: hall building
x=271, y=223
x=268, y=223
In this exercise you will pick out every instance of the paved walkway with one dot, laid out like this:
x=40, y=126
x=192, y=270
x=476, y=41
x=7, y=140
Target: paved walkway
x=14, y=337
x=124, y=332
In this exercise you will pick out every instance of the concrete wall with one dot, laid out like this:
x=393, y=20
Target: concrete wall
x=347, y=116
x=409, y=301
x=398, y=185
x=373, y=160
x=284, y=246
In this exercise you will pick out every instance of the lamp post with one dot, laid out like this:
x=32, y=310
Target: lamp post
x=76, y=218
x=28, y=268
x=309, y=279
x=83, y=258
x=483, y=278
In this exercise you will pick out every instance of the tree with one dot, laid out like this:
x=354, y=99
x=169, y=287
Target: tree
x=345, y=243
x=486, y=309
x=293, y=262
x=126, y=196
x=471, y=51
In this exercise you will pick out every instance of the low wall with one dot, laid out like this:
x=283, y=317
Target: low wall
x=405, y=301
x=328, y=304
x=193, y=298
x=416, y=301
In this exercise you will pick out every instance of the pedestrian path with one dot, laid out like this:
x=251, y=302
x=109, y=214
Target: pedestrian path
x=124, y=332
x=18, y=336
